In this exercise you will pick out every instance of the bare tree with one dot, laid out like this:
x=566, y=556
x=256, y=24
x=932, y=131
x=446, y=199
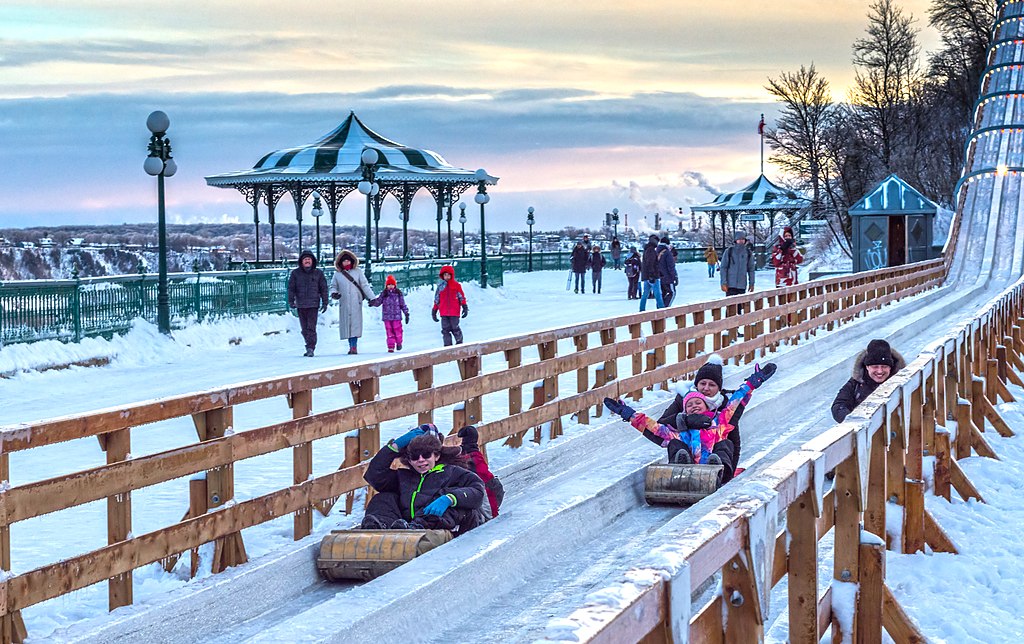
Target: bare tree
x=887, y=78
x=798, y=136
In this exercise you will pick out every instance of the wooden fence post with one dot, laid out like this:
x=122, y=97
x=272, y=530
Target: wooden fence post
x=846, y=552
x=942, y=464
x=582, y=379
x=636, y=333
x=424, y=380
x=368, y=438
x=803, y=570
x=549, y=351
x=470, y=368
x=117, y=445
x=302, y=462
x=220, y=486
x=871, y=594
x=738, y=588
x=12, y=626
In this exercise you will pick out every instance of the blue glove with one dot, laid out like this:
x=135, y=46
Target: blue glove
x=761, y=374
x=438, y=506
x=620, y=408
x=407, y=437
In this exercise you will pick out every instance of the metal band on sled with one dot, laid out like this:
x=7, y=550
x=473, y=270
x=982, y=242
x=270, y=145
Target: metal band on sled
x=680, y=484
x=367, y=554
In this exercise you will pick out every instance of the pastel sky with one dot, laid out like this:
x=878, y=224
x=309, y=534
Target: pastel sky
x=578, y=106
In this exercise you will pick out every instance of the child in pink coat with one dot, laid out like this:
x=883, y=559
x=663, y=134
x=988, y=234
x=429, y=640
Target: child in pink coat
x=392, y=304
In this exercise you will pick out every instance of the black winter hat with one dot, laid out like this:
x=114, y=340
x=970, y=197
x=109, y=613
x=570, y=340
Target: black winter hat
x=712, y=370
x=653, y=239
x=470, y=439
x=664, y=240
x=879, y=352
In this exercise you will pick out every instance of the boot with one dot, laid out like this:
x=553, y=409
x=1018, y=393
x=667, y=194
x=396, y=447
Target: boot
x=398, y=347
x=352, y=351
x=371, y=522
x=391, y=350
x=682, y=457
x=308, y=353
x=399, y=524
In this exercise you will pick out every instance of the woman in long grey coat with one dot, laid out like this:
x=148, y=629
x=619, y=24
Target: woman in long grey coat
x=349, y=286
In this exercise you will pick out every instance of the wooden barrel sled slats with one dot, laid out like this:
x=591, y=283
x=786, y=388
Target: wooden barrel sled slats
x=680, y=484
x=366, y=554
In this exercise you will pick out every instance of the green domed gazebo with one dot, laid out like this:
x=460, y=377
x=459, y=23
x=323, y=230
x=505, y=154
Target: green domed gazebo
x=334, y=166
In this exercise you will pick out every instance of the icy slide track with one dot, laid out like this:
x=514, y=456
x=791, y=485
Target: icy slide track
x=574, y=517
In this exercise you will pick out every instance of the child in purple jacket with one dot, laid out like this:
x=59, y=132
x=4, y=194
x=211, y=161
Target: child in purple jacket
x=392, y=304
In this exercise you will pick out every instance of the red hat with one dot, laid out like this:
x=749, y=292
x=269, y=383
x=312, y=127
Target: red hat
x=390, y=280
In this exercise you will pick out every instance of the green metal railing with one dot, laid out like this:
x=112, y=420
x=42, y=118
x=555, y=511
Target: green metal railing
x=70, y=310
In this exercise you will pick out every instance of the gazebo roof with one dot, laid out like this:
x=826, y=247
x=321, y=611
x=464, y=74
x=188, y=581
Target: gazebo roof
x=893, y=196
x=762, y=194
x=336, y=157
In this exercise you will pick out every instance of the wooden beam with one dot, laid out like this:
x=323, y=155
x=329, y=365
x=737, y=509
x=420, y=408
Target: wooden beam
x=897, y=623
x=989, y=411
x=979, y=443
x=119, y=518
x=963, y=485
x=935, y=536
x=942, y=458
x=914, y=533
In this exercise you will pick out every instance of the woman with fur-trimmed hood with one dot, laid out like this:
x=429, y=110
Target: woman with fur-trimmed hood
x=349, y=286
x=872, y=366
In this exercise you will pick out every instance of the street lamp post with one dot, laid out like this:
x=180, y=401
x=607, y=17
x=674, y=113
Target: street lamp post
x=159, y=164
x=462, y=220
x=368, y=187
x=448, y=208
x=317, y=212
x=481, y=197
x=615, y=222
x=529, y=222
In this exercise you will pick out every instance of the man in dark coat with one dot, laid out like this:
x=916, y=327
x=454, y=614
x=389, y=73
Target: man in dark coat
x=580, y=258
x=616, y=249
x=307, y=293
x=667, y=271
x=649, y=274
x=872, y=366
x=632, y=265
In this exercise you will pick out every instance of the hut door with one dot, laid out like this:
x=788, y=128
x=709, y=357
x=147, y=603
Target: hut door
x=897, y=241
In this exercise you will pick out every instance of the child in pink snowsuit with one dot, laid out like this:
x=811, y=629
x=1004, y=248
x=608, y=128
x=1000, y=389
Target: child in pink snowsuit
x=392, y=304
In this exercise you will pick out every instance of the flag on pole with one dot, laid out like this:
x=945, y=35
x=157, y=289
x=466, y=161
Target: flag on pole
x=760, y=126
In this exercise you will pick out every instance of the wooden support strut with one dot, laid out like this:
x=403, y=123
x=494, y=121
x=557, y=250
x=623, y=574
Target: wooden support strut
x=12, y=625
x=302, y=463
x=220, y=487
x=803, y=571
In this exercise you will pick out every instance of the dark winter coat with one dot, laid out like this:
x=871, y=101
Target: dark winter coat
x=738, y=267
x=616, y=249
x=632, y=265
x=481, y=469
x=307, y=288
x=860, y=386
x=580, y=259
x=649, y=262
x=666, y=264
x=416, y=491
x=449, y=298
x=668, y=417
x=596, y=262
x=392, y=304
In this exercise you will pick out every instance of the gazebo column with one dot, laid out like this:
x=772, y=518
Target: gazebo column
x=256, y=223
x=733, y=216
x=440, y=215
x=450, y=200
x=298, y=220
x=273, y=235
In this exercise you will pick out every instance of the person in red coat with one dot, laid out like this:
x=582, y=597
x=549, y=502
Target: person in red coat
x=785, y=258
x=448, y=300
x=495, y=491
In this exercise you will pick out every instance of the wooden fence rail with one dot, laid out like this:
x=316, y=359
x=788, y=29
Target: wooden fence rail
x=785, y=315
x=877, y=455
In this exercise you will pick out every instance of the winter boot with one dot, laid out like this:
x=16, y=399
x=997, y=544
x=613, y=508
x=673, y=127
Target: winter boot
x=400, y=524
x=308, y=353
x=371, y=522
x=352, y=351
x=714, y=460
x=398, y=347
x=682, y=457
x=391, y=350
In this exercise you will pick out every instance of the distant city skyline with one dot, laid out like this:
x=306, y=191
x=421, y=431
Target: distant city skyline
x=577, y=107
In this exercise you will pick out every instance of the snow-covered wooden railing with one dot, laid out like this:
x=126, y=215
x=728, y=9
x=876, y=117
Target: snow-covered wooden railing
x=689, y=331
x=878, y=454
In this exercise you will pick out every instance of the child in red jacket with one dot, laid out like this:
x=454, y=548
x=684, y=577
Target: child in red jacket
x=448, y=299
x=495, y=491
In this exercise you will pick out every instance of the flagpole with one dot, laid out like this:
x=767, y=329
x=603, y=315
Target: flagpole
x=760, y=130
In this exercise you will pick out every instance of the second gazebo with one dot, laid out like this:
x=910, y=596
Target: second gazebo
x=352, y=157
x=761, y=200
